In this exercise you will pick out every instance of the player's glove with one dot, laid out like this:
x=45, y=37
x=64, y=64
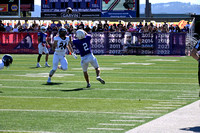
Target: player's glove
x=74, y=55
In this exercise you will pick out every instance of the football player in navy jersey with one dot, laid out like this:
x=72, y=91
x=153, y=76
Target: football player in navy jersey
x=196, y=56
x=84, y=46
x=42, y=46
x=6, y=61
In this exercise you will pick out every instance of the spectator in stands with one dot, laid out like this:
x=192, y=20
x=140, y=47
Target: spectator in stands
x=140, y=25
x=70, y=29
x=184, y=30
x=106, y=29
x=177, y=29
x=128, y=25
x=20, y=28
x=115, y=26
x=55, y=31
x=30, y=29
x=53, y=24
x=34, y=24
x=165, y=25
x=35, y=28
x=123, y=29
x=15, y=29
x=81, y=26
x=159, y=30
x=164, y=29
x=8, y=28
x=120, y=24
x=112, y=28
x=100, y=27
x=18, y=24
x=145, y=28
x=59, y=24
x=188, y=26
x=88, y=29
x=25, y=25
x=138, y=29
x=131, y=29
x=171, y=28
x=1, y=26
x=94, y=28
x=105, y=24
x=66, y=24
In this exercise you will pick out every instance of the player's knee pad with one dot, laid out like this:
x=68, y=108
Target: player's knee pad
x=52, y=72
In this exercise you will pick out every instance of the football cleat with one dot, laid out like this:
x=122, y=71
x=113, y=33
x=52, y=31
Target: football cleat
x=38, y=65
x=88, y=86
x=47, y=65
x=100, y=80
x=49, y=80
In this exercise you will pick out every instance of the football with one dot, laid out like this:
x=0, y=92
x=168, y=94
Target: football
x=69, y=10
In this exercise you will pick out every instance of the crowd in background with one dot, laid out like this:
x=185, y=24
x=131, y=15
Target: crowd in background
x=100, y=27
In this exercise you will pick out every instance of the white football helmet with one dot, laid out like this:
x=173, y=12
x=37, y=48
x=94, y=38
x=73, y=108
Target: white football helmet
x=43, y=29
x=80, y=34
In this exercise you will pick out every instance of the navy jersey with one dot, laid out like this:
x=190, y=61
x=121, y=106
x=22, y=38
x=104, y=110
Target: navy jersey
x=42, y=37
x=83, y=45
x=197, y=46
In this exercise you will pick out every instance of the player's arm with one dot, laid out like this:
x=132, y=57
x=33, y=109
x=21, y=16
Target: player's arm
x=194, y=54
x=69, y=46
x=54, y=45
x=39, y=39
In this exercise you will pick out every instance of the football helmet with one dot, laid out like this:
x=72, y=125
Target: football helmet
x=43, y=29
x=7, y=60
x=62, y=32
x=80, y=34
x=69, y=10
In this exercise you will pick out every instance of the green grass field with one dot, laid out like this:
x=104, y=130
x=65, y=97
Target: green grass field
x=138, y=89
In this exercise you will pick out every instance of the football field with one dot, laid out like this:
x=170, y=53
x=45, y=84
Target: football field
x=138, y=89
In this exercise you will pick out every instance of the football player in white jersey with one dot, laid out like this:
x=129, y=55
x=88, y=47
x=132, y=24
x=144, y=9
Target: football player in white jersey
x=61, y=42
x=42, y=46
x=6, y=61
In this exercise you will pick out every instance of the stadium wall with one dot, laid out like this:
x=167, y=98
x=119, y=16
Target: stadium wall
x=112, y=43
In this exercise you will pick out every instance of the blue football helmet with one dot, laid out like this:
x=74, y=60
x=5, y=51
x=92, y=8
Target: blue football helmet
x=7, y=60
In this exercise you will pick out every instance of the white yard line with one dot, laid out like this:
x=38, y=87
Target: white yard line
x=26, y=131
x=159, y=107
x=173, y=102
x=60, y=111
x=179, y=98
x=109, y=129
x=152, y=110
x=111, y=124
x=168, y=105
x=29, y=97
x=14, y=80
x=99, y=89
x=128, y=120
x=138, y=117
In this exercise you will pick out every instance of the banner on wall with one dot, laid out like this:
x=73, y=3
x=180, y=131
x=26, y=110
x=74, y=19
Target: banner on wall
x=18, y=43
x=111, y=43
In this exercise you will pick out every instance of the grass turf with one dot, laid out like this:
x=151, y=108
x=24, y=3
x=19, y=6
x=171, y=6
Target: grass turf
x=132, y=91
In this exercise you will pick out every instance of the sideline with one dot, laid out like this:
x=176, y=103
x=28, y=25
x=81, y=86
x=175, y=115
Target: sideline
x=182, y=120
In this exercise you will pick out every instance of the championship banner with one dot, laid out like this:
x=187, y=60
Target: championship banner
x=18, y=43
x=112, y=43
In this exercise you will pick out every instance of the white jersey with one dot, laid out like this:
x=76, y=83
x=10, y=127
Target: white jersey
x=1, y=64
x=61, y=45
